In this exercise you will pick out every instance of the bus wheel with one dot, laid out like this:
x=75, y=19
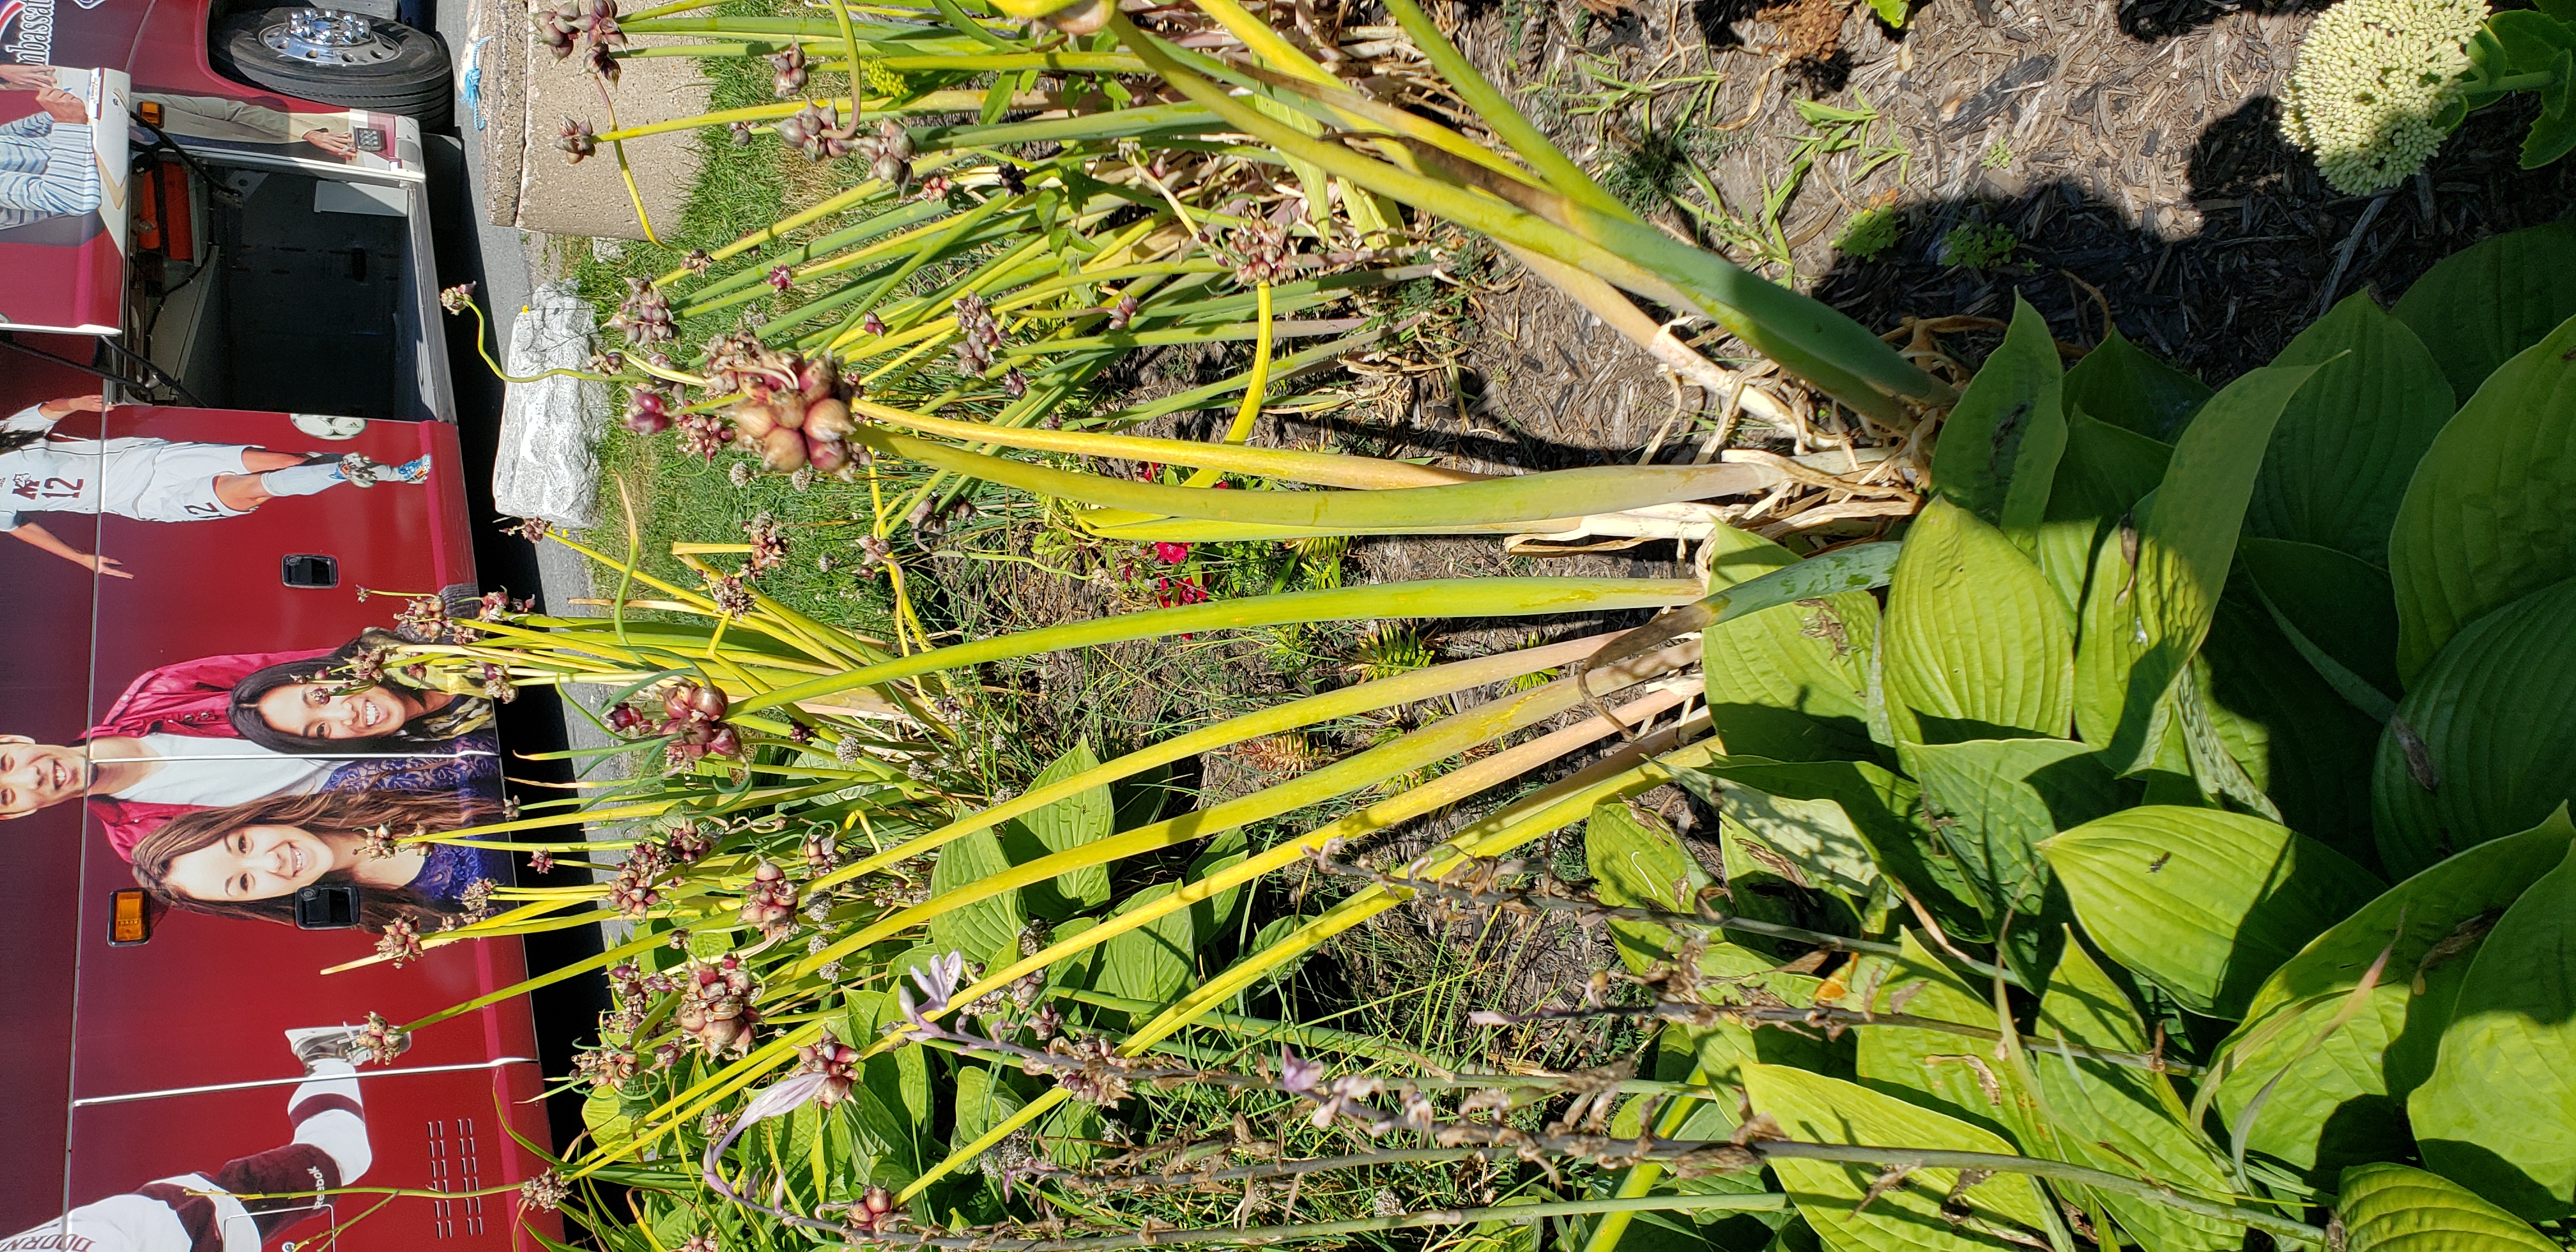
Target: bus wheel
x=345, y=59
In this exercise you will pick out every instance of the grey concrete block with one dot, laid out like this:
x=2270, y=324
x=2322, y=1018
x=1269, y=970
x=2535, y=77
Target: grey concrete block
x=526, y=94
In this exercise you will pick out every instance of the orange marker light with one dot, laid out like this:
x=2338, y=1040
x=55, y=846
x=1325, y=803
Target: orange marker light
x=150, y=112
x=128, y=921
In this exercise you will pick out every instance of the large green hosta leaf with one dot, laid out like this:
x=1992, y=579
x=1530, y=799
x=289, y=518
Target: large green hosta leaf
x=1951, y=1074
x=985, y=927
x=2121, y=1118
x=1978, y=645
x=2349, y=440
x=2396, y=1208
x=1787, y=684
x=1154, y=962
x=2340, y=604
x=1908, y=1218
x=2486, y=521
x=2201, y=902
x=2120, y=384
x=1883, y=811
x=2142, y=624
x=2499, y=1113
x=2299, y=741
x=1639, y=862
x=1074, y=820
x=2485, y=743
x=2105, y=471
x=1993, y=800
x=2000, y=444
x=2337, y=1102
x=2490, y=300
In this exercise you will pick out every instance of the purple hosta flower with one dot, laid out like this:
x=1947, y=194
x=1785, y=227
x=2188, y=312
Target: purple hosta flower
x=546, y=1192
x=769, y=902
x=768, y=541
x=454, y=299
x=702, y=435
x=599, y=60
x=378, y=1042
x=836, y=1061
x=1297, y=1074
x=645, y=315
x=400, y=942
x=938, y=985
x=577, y=140
x=872, y=324
x=1122, y=313
x=715, y=1006
x=780, y=278
x=1340, y=1094
x=787, y=70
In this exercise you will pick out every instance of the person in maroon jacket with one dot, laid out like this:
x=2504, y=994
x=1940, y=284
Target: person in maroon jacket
x=249, y=1200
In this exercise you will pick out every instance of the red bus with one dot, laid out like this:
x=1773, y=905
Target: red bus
x=225, y=425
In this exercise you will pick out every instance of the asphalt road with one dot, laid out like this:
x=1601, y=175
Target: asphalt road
x=497, y=260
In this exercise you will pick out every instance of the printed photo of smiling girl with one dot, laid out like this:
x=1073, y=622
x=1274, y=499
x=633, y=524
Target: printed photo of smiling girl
x=153, y=480
x=349, y=702
x=169, y=745
x=249, y=860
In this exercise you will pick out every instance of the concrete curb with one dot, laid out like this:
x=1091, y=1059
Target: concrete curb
x=527, y=94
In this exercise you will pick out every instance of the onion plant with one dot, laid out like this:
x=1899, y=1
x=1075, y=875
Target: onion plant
x=2039, y=827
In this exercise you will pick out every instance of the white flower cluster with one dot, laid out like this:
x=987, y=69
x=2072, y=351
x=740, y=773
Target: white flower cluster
x=2372, y=77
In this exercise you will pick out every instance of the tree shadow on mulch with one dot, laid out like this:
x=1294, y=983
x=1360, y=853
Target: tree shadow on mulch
x=2226, y=298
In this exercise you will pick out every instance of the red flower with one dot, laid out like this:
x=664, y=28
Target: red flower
x=1170, y=553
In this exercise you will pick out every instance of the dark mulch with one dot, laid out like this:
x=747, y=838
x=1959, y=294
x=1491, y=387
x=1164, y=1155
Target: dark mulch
x=2133, y=146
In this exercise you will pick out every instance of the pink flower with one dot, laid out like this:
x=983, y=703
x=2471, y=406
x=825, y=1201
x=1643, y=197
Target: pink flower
x=1170, y=553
